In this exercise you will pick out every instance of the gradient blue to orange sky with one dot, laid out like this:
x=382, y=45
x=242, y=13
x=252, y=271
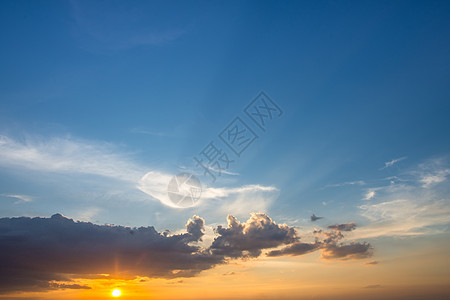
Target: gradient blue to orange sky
x=318, y=132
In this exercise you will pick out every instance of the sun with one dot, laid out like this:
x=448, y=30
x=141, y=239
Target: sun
x=116, y=293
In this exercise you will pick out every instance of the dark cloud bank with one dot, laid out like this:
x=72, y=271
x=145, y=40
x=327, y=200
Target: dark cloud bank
x=45, y=253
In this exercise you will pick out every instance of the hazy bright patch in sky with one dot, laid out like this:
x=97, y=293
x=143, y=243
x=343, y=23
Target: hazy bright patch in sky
x=279, y=142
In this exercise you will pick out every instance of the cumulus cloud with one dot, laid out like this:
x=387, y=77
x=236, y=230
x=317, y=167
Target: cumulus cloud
x=248, y=239
x=330, y=245
x=36, y=252
x=52, y=253
x=195, y=228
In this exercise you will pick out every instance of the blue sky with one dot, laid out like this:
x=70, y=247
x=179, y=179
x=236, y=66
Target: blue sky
x=102, y=103
x=106, y=92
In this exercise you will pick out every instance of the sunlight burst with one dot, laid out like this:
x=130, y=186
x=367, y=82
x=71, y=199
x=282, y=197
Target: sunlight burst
x=116, y=293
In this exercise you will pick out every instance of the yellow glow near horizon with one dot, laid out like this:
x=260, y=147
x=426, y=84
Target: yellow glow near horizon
x=116, y=293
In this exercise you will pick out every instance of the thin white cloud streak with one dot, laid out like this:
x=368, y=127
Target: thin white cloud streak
x=155, y=184
x=223, y=171
x=21, y=198
x=357, y=182
x=64, y=155
x=150, y=132
x=98, y=28
x=429, y=180
x=212, y=193
x=392, y=162
x=240, y=201
x=415, y=208
x=403, y=217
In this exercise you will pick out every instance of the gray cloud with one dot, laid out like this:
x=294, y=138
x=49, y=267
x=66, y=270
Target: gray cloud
x=328, y=242
x=315, y=218
x=34, y=252
x=195, y=228
x=248, y=239
x=351, y=251
x=68, y=286
x=296, y=249
x=51, y=253
x=343, y=227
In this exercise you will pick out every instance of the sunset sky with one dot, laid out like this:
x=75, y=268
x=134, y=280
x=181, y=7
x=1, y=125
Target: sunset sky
x=309, y=141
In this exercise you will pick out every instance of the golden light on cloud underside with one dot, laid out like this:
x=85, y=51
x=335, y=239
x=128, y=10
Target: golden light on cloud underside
x=116, y=293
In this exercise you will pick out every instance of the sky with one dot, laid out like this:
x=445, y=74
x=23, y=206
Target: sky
x=224, y=149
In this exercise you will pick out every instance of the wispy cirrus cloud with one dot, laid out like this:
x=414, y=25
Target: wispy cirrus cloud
x=392, y=162
x=155, y=184
x=68, y=155
x=430, y=179
x=403, y=217
x=414, y=206
x=20, y=198
x=356, y=182
x=75, y=156
x=101, y=28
